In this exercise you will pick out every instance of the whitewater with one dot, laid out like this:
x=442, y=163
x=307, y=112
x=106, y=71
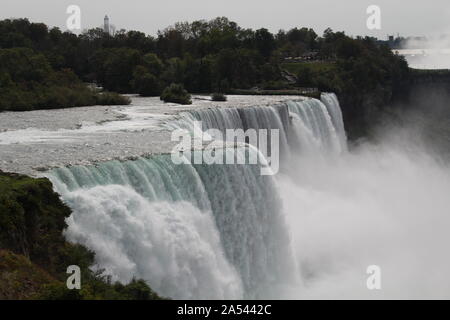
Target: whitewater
x=226, y=232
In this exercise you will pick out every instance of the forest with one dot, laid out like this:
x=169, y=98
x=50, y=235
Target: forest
x=42, y=67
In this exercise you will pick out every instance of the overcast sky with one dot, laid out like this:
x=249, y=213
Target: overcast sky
x=397, y=16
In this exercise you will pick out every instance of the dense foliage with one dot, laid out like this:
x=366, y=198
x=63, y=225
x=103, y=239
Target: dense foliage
x=217, y=96
x=202, y=56
x=28, y=81
x=34, y=255
x=177, y=94
x=364, y=75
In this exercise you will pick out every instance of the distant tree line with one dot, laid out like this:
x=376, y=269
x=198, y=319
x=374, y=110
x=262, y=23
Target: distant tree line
x=202, y=56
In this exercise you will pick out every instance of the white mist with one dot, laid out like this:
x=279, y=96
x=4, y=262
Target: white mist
x=386, y=205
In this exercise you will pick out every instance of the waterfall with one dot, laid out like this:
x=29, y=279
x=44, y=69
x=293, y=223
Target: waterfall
x=334, y=110
x=317, y=125
x=198, y=231
x=307, y=125
x=260, y=117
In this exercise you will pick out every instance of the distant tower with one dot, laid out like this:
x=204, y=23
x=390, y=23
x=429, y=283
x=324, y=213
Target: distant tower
x=106, y=25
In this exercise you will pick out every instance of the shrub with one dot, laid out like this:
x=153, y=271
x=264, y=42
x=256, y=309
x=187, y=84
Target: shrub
x=98, y=287
x=177, y=94
x=136, y=290
x=111, y=99
x=217, y=96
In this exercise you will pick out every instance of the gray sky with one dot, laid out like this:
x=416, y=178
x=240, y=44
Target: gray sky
x=398, y=16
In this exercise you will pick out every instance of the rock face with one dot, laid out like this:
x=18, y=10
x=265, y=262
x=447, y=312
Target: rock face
x=364, y=110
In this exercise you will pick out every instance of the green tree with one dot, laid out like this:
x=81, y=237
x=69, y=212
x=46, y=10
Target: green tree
x=153, y=64
x=265, y=42
x=177, y=94
x=145, y=83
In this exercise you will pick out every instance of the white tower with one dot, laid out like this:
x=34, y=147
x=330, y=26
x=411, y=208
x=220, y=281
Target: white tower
x=106, y=25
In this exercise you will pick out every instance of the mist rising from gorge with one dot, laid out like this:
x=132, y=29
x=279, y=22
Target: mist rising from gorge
x=384, y=203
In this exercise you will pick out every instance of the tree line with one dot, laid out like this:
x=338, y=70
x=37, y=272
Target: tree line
x=202, y=56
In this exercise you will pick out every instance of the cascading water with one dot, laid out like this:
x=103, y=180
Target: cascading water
x=318, y=125
x=262, y=117
x=191, y=231
x=304, y=125
x=334, y=110
x=198, y=231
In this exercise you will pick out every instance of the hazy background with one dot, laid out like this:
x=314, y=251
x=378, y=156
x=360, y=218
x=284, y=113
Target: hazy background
x=409, y=18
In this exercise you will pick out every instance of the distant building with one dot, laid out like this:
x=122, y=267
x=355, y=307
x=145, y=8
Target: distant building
x=106, y=28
